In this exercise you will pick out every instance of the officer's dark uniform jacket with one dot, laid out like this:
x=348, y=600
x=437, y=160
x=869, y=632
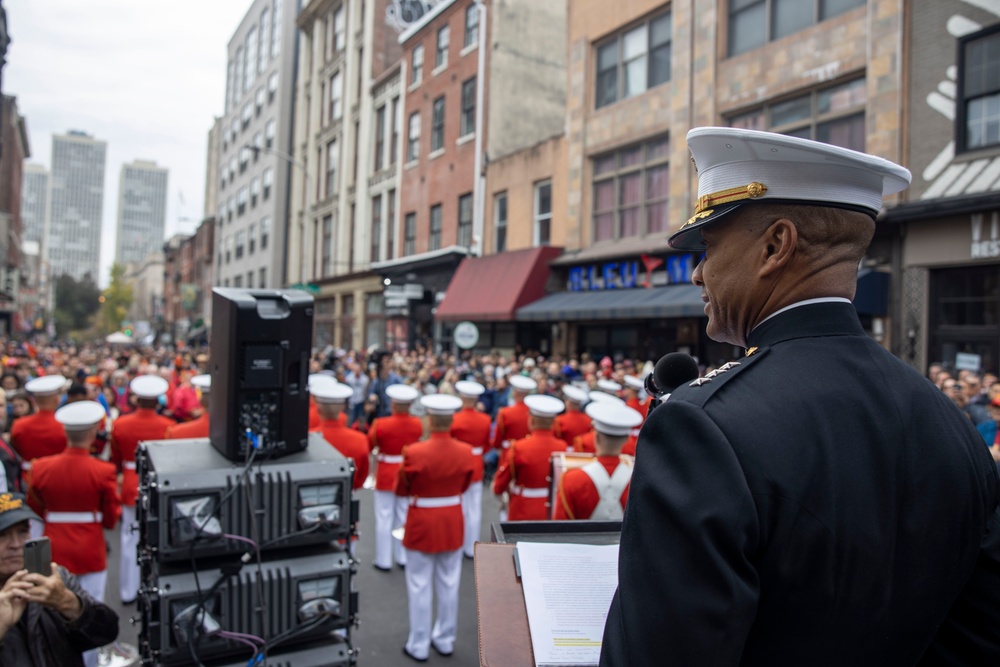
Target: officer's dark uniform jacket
x=820, y=503
x=43, y=638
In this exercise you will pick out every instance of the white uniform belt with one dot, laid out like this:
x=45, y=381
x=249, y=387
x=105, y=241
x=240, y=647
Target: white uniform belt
x=477, y=451
x=443, y=501
x=25, y=465
x=390, y=458
x=528, y=492
x=74, y=517
x=128, y=465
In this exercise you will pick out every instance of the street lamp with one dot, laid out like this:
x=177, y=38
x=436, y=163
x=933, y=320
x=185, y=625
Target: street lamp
x=257, y=150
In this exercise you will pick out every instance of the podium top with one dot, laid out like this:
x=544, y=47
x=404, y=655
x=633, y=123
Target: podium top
x=573, y=532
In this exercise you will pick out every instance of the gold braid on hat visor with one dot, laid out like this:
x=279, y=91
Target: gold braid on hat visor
x=706, y=202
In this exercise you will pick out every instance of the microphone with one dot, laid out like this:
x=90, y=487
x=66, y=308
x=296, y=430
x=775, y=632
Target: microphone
x=670, y=372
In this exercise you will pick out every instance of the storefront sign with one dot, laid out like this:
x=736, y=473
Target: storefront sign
x=407, y=291
x=985, y=248
x=465, y=335
x=644, y=272
x=967, y=362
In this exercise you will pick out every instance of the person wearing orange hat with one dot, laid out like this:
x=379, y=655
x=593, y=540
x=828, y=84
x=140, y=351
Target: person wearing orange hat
x=127, y=433
x=599, y=489
x=432, y=478
x=198, y=427
x=386, y=438
x=473, y=428
x=524, y=469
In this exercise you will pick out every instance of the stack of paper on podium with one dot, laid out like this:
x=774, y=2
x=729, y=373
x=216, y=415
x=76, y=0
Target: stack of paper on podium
x=545, y=604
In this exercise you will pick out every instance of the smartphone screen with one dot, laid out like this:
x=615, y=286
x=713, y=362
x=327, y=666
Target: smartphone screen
x=38, y=556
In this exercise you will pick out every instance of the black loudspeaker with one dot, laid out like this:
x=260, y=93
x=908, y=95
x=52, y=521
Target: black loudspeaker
x=261, y=341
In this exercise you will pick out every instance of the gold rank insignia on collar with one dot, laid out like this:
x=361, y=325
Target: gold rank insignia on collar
x=751, y=351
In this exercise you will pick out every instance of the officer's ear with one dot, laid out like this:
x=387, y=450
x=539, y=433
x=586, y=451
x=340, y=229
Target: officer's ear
x=776, y=246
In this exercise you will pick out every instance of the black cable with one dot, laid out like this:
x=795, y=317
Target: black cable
x=288, y=536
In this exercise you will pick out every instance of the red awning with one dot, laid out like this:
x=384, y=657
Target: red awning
x=492, y=288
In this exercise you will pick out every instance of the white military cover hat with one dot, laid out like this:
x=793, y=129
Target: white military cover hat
x=738, y=167
x=81, y=415
x=608, y=385
x=634, y=382
x=602, y=397
x=542, y=405
x=320, y=380
x=613, y=418
x=522, y=383
x=47, y=385
x=330, y=392
x=148, y=386
x=402, y=393
x=202, y=382
x=441, y=404
x=469, y=388
x=575, y=394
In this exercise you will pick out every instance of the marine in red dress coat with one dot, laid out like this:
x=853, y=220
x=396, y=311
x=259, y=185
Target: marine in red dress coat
x=198, y=427
x=574, y=422
x=389, y=435
x=128, y=431
x=75, y=494
x=526, y=466
x=38, y=435
x=473, y=428
x=512, y=421
x=330, y=402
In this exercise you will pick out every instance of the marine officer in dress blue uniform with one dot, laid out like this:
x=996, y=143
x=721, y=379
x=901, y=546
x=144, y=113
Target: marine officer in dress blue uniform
x=816, y=502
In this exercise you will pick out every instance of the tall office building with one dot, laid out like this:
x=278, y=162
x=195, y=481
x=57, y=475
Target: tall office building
x=255, y=151
x=34, y=202
x=77, y=204
x=142, y=211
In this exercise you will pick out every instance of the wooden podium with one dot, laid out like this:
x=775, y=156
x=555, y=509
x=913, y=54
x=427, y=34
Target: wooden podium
x=504, y=638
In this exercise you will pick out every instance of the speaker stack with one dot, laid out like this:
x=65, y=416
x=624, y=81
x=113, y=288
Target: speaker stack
x=244, y=536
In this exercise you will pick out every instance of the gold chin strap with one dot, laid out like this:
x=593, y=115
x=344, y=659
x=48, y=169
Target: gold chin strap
x=703, y=209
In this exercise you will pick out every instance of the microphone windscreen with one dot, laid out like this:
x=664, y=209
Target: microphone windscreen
x=673, y=370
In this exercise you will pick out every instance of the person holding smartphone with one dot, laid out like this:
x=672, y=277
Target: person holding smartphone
x=45, y=621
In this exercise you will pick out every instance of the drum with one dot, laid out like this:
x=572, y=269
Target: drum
x=560, y=463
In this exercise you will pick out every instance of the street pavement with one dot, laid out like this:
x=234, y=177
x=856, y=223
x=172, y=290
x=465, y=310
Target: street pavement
x=382, y=601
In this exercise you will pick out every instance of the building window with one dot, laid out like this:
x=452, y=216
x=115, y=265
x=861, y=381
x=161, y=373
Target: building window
x=633, y=61
x=249, y=279
x=376, y=226
x=339, y=30
x=252, y=237
x=275, y=40
x=265, y=35
x=327, y=245
x=437, y=124
x=238, y=281
x=380, y=138
x=834, y=115
x=394, y=143
x=630, y=191
x=259, y=101
x=413, y=138
x=465, y=220
x=241, y=200
x=543, y=212
x=251, y=67
x=434, y=242
x=390, y=224
x=979, y=90
x=241, y=240
x=258, y=143
x=753, y=23
x=468, y=107
x=238, y=78
x=267, y=180
x=471, y=25
x=500, y=220
x=336, y=95
x=254, y=191
x=409, y=234
x=270, y=129
x=265, y=232
x=417, y=65
x=232, y=208
x=229, y=248
x=441, y=53
x=262, y=283
x=272, y=86
x=332, y=160
x=230, y=93
x=247, y=114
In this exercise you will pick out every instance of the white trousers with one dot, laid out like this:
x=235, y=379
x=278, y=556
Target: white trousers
x=390, y=513
x=94, y=583
x=444, y=572
x=472, y=513
x=128, y=567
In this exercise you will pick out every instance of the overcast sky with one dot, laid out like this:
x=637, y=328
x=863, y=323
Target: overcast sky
x=146, y=76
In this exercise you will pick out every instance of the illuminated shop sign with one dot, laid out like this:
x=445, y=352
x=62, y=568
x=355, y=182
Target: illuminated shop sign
x=645, y=272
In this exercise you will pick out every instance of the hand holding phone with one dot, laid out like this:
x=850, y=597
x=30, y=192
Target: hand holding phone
x=38, y=556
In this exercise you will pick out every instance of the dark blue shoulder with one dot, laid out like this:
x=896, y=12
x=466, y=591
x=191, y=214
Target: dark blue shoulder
x=698, y=392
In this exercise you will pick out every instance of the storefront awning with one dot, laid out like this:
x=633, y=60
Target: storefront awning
x=670, y=301
x=492, y=288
